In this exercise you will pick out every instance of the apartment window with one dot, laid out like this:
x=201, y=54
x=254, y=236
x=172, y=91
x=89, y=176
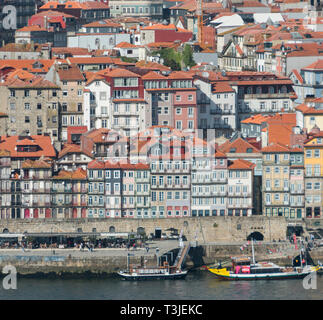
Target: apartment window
x=103, y=95
x=27, y=119
x=309, y=186
x=190, y=97
x=27, y=93
x=308, y=153
x=316, y=153
x=27, y=106
x=178, y=98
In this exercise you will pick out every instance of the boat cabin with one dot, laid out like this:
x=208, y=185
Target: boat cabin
x=241, y=264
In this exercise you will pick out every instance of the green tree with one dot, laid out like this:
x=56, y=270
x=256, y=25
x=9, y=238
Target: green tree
x=188, y=56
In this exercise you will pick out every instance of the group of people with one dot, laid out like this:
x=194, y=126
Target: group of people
x=87, y=245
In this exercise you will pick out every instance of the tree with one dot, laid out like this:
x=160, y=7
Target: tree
x=171, y=58
x=188, y=56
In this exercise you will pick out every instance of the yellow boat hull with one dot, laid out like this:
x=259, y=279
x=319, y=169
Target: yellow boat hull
x=223, y=273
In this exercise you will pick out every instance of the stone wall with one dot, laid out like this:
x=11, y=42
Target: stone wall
x=204, y=229
x=60, y=265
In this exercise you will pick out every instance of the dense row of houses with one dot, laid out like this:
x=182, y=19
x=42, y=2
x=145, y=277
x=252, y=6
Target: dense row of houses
x=161, y=173
x=128, y=98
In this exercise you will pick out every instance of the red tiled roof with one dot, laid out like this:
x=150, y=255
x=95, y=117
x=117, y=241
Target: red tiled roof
x=220, y=87
x=73, y=51
x=31, y=28
x=72, y=148
x=35, y=82
x=121, y=73
x=44, y=142
x=33, y=66
x=180, y=75
x=240, y=164
x=251, y=3
x=164, y=27
x=275, y=148
x=238, y=146
x=95, y=164
x=318, y=65
x=256, y=119
x=125, y=45
x=102, y=24
x=93, y=60
x=305, y=109
x=78, y=174
x=36, y=164
x=153, y=76
x=152, y=65
x=69, y=73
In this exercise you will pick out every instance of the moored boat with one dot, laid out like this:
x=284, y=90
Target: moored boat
x=160, y=273
x=243, y=268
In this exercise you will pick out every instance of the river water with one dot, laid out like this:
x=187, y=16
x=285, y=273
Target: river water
x=198, y=285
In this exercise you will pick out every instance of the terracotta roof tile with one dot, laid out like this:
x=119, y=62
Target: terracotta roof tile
x=241, y=164
x=69, y=72
x=318, y=65
x=276, y=148
x=102, y=24
x=11, y=143
x=238, y=146
x=36, y=164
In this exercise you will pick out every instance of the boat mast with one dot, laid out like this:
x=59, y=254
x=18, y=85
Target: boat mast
x=253, y=252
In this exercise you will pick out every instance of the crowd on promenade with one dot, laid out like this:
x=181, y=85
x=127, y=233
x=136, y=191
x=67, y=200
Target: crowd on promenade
x=81, y=245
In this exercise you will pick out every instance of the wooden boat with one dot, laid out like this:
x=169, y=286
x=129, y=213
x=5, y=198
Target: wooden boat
x=163, y=272
x=159, y=273
x=243, y=268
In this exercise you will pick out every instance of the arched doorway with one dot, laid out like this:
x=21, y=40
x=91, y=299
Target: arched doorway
x=255, y=236
x=5, y=230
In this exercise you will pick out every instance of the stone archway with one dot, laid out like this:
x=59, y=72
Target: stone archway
x=255, y=236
